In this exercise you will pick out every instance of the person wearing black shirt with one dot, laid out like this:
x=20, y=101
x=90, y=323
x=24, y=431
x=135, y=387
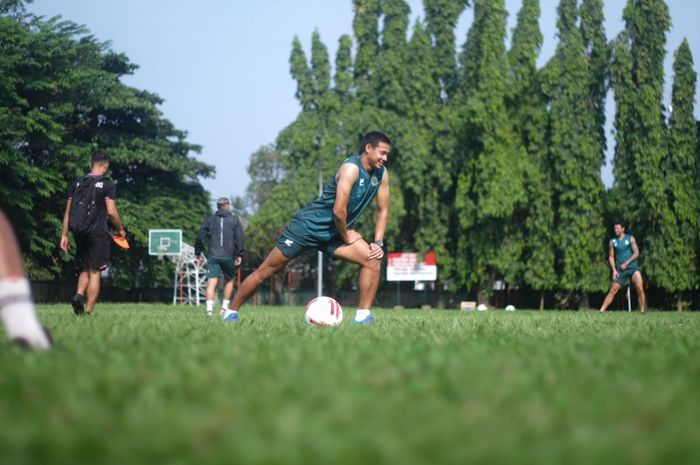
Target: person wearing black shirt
x=91, y=200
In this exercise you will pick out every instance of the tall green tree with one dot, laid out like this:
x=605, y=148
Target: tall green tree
x=625, y=187
x=343, y=68
x=302, y=74
x=597, y=52
x=425, y=170
x=320, y=67
x=392, y=74
x=366, y=27
x=527, y=105
x=490, y=192
x=641, y=134
x=682, y=174
x=441, y=18
x=522, y=56
x=575, y=155
x=429, y=175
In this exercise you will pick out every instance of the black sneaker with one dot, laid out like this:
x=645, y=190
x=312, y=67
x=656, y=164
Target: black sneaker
x=78, y=303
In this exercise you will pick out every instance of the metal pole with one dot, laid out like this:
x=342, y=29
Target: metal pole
x=319, y=269
x=175, y=287
x=629, y=300
x=197, y=283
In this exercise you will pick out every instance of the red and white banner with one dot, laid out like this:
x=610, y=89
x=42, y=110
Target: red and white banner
x=404, y=266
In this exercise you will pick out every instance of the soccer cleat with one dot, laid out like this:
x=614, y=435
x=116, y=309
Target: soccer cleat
x=210, y=313
x=230, y=315
x=368, y=320
x=78, y=303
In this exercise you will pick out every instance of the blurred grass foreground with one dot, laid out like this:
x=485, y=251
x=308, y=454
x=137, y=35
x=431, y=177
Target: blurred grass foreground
x=157, y=384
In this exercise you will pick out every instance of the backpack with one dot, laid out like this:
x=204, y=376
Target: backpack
x=83, y=209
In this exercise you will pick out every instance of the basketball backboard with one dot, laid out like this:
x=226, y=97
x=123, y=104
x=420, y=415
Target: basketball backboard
x=164, y=241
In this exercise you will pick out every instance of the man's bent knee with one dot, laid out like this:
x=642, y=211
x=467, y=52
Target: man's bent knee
x=373, y=264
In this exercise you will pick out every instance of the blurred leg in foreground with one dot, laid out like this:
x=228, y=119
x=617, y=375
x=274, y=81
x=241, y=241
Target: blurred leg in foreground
x=16, y=304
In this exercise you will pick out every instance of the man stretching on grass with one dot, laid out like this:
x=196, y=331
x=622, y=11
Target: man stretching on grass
x=623, y=253
x=325, y=223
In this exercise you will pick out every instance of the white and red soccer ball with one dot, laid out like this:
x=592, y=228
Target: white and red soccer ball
x=323, y=311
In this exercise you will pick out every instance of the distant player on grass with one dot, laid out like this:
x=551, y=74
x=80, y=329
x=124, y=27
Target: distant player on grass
x=623, y=261
x=325, y=223
x=91, y=200
x=16, y=304
x=224, y=234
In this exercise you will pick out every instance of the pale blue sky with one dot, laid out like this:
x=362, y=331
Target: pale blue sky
x=222, y=66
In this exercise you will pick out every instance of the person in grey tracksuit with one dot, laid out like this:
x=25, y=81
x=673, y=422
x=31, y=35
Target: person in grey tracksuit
x=223, y=233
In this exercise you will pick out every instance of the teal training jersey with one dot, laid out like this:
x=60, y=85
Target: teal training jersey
x=317, y=217
x=623, y=251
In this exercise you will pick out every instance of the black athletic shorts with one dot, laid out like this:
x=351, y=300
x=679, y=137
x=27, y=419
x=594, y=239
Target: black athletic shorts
x=296, y=239
x=93, y=249
x=216, y=266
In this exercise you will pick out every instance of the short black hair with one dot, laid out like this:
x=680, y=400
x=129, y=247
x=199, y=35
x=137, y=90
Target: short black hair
x=373, y=138
x=620, y=222
x=99, y=156
x=221, y=201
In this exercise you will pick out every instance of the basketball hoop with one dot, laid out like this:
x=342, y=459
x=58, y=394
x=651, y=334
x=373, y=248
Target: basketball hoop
x=189, y=284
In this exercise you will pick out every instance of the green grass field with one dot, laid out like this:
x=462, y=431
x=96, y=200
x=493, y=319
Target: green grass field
x=157, y=384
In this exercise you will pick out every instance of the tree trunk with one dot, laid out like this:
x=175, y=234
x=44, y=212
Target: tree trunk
x=482, y=297
x=541, y=300
x=584, y=301
x=440, y=296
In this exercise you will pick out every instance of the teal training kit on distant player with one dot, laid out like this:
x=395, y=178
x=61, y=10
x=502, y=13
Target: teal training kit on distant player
x=313, y=227
x=623, y=252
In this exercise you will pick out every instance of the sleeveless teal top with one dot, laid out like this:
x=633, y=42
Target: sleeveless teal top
x=623, y=251
x=317, y=217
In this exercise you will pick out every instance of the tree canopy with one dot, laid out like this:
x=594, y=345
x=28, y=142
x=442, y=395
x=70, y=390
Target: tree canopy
x=496, y=164
x=61, y=97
